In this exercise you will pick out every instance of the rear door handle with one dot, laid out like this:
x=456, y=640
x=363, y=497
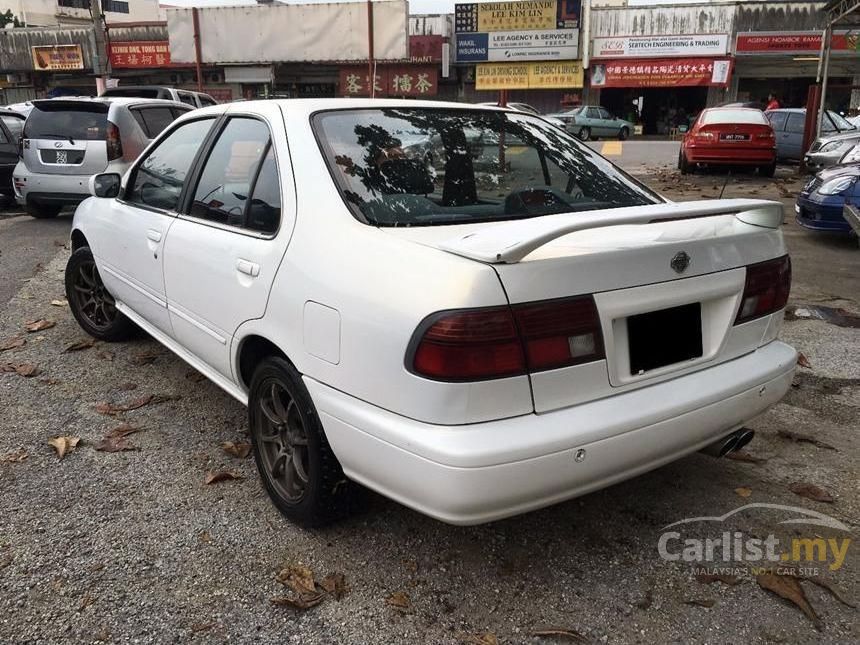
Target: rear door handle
x=248, y=268
x=153, y=235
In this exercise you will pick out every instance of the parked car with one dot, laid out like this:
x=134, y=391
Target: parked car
x=194, y=99
x=827, y=151
x=592, y=122
x=66, y=141
x=21, y=108
x=820, y=204
x=852, y=155
x=467, y=354
x=729, y=137
x=788, y=124
x=11, y=125
x=528, y=109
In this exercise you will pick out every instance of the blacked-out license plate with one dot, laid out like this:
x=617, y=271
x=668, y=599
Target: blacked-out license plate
x=664, y=337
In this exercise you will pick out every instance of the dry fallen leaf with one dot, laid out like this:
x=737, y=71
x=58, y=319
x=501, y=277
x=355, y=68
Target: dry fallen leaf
x=63, y=445
x=743, y=491
x=803, y=361
x=50, y=381
x=202, y=627
x=399, y=599
x=12, y=343
x=38, y=325
x=486, y=638
x=16, y=457
x=213, y=477
x=111, y=409
x=299, y=578
x=335, y=584
x=304, y=601
x=240, y=450
x=740, y=455
x=811, y=491
x=60, y=303
x=194, y=376
x=122, y=430
x=107, y=356
x=86, y=601
x=145, y=357
x=701, y=602
x=708, y=578
x=567, y=634
x=80, y=345
x=115, y=444
x=204, y=537
x=27, y=370
x=789, y=588
x=799, y=437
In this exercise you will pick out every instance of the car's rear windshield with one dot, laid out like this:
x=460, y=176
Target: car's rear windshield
x=741, y=115
x=67, y=121
x=428, y=166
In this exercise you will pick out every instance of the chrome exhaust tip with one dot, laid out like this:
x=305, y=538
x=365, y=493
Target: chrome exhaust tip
x=734, y=441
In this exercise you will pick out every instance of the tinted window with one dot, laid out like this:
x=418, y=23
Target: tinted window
x=153, y=120
x=795, y=122
x=729, y=115
x=423, y=166
x=777, y=120
x=14, y=124
x=187, y=98
x=158, y=179
x=206, y=101
x=264, y=212
x=62, y=121
x=229, y=173
x=142, y=92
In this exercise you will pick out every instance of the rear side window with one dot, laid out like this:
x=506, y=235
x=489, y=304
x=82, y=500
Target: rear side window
x=14, y=124
x=795, y=122
x=143, y=93
x=64, y=121
x=777, y=120
x=157, y=181
x=752, y=117
x=187, y=98
x=153, y=120
x=205, y=101
x=223, y=194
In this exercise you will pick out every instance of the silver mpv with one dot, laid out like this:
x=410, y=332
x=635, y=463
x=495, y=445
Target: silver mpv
x=66, y=141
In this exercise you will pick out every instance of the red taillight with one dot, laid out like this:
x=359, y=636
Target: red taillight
x=765, y=136
x=705, y=136
x=114, y=145
x=496, y=342
x=766, y=290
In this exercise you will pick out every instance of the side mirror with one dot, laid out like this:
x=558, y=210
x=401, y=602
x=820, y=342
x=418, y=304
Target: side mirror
x=105, y=185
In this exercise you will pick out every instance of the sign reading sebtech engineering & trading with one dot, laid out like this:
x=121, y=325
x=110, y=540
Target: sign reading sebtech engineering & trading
x=661, y=46
x=556, y=44
x=516, y=16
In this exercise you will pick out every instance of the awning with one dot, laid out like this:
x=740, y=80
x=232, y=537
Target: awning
x=661, y=72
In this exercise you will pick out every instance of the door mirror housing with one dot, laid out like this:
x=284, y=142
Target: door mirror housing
x=105, y=185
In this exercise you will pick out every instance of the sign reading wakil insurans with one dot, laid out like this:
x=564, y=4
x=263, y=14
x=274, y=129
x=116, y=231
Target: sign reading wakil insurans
x=524, y=76
x=516, y=16
x=795, y=42
x=149, y=53
x=555, y=44
x=661, y=72
x=661, y=46
x=390, y=80
x=57, y=57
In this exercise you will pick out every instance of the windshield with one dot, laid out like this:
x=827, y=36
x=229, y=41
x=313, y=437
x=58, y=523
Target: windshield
x=739, y=115
x=422, y=166
x=840, y=122
x=87, y=122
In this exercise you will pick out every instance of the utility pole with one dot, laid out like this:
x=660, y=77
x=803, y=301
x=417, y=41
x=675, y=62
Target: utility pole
x=101, y=63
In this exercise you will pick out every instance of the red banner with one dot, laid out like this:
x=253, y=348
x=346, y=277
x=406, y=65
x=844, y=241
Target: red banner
x=390, y=80
x=140, y=54
x=797, y=42
x=425, y=49
x=661, y=72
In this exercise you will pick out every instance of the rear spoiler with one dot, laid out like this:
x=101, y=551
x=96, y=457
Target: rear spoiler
x=510, y=242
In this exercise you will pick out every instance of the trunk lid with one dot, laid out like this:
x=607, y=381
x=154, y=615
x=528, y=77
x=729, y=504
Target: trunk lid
x=66, y=137
x=669, y=276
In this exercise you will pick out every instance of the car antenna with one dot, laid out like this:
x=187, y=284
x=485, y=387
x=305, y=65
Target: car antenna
x=725, y=183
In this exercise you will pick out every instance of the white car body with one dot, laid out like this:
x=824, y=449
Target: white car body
x=343, y=299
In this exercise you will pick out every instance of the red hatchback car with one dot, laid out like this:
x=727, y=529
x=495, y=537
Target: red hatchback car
x=729, y=137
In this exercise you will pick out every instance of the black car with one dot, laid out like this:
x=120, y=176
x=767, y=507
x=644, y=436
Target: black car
x=11, y=126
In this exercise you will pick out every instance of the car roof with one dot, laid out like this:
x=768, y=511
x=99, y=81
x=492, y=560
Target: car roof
x=122, y=88
x=108, y=100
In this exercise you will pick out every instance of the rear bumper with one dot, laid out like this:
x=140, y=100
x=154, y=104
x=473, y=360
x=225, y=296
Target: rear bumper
x=822, y=216
x=730, y=155
x=41, y=188
x=482, y=472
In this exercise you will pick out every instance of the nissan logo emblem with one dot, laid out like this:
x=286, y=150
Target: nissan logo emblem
x=680, y=262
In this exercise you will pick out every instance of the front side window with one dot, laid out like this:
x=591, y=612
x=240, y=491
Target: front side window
x=427, y=166
x=223, y=192
x=604, y=114
x=157, y=181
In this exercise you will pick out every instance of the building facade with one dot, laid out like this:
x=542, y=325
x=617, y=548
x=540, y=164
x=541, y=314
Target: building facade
x=52, y=13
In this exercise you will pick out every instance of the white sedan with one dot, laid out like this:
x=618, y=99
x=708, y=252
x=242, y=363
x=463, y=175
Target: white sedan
x=474, y=333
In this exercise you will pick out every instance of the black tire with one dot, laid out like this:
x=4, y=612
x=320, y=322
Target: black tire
x=584, y=134
x=767, y=171
x=286, y=429
x=623, y=133
x=683, y=165
x=91, y=303
x=43, y=211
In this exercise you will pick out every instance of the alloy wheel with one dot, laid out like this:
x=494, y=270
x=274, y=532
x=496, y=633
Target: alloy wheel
x=92, y=298
x=284, y=441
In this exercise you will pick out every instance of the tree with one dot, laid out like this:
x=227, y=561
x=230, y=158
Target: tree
x=7, y=18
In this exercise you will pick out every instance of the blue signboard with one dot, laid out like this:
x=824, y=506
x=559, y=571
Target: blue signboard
x=472, y=48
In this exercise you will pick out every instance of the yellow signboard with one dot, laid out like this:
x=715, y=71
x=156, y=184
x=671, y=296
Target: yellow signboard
x=57, y=57
x=526, y=76
x=515, y=16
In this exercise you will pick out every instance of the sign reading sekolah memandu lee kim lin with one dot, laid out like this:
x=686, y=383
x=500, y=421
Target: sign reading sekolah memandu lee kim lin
x=485, y=17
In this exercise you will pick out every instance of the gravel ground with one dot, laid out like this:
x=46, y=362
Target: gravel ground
x=133, y=547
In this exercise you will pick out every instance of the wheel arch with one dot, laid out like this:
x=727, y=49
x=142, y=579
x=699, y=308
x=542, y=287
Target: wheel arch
x=79, y=240
x=253, y=349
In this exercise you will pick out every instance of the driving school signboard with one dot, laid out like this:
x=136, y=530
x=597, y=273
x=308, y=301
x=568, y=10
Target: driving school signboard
x=553, y=44
x=661, y=46
x=516, y=16
x=526, y=76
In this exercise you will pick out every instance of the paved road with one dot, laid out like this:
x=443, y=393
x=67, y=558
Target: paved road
x=637, y=156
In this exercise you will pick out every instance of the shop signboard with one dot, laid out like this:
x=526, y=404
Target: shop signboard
x=531, y=15
x=140, y=54
x=390, y=80
x=751, y=43
x=526, y=76
x=57, y=57
x=660, y=46
x=552, y=44
x=425, y=49
x=662, y=72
